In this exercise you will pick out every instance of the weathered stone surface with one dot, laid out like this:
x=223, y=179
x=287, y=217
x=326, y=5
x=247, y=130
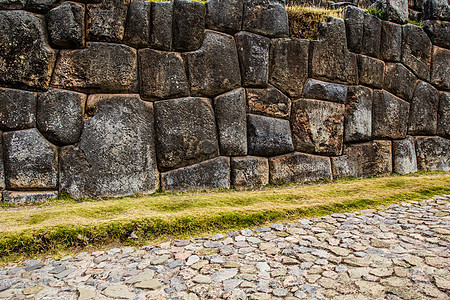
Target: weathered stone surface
x=288, y=69
x=358, y=114
x=371, y=71
x=188, y=25
x=330, y=56
x=224, y=15
x=317, y=126
x=231, y=119
x=436, y=10
x=321, y=90
x=372, y=36
x=2, y=170
x=395, y=10
x=354, y=24
x=399, y=80
x=12, y=4
x=186, y=132
x=212, y=175
x=391, y=41
x=249, y=171
x=101, y=67
x=438, y=32
x=299, y=167
x=443, y=126
x=162, y=75
x=116, y=154
x=214, y=68
x=30, y=161
x=390, y=116
x=14, y=197
x=268, y=136
x=41, y=6
x=66, y=25
x=364, y=160
x=268, y=102
x=106, y=20
x=267, y=17
x=424, y=110
x=137, y=28
x=161, y=28
x=404, y=156
x=17, y=109
x=440, y=68
x=59, y=116
x=24, y=47
x=416, y=50
x=253, y=52
x=433, y=153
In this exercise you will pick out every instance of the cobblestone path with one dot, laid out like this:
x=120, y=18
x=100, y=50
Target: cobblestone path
x=401, y=252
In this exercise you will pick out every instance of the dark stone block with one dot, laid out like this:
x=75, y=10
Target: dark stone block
x=249, y=171
x=436, y=10
x=358, y=114
x=106, y=20
x=416, y=51
x=390, y=116
x=354, y=24
x=372, y=36
x=268, y=102
x=17, y=109
x=443, y=126
x=438, y=32
x=321, y=90
x=266, y=17
x=41, y=6
x=66, y=25
x=161, y=28
x=440, y=68
x=399, y=80
x=14, y=197
x=433, y=153
x=224, y=15
x=391, y=41
x=12, y=4
x=188, y=25
x=424, y=110
x=2, y=170
x=371, y=71
x=404, y=156
x=137, y=28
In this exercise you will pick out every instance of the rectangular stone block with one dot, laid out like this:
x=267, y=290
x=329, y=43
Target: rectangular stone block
x=399, y=80
x=267, y=17
x=106, y=20
x=416, y=51
x=424, y=110
x=17, y=109
x=404, y=154
x=433, y=153
x=137, y=28
x=14, y=197
x=249, y=171
x=371, y=71
x=321, y=90
x=443, y=126
x=2, y=170
x=390, y=116
x=188, y=27
x=391, y=41
x=268, y=102
x=440, y=68
x=358, y=114
x=224, y=16
x=161, y=26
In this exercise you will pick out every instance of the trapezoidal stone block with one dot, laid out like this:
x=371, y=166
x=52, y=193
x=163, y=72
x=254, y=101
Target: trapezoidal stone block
x=224, y=16
x=358, y=114
x=268, y=102
x=188, y=25
x=354, y=25
x=249, y=171
x=371, y=71
x=391, y=41
x=438, y=32
x=423, y=114
x=106, y=20
x=390, y=116
x=404, y=156
x=399, y=80
x=138, y=25
x=433, y=153
x=440, y=68
x=321, y=90
x=443, y=126
x=14, y=197
x=66, y=26
x=416, y=51
x=17, y=109
x=266, y=17
x=161, y=26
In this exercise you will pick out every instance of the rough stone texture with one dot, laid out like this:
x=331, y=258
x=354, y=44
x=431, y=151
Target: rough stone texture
x=436, y=10
x=404, y=156
x=106, y=20
x=443, y=126
x=30, y=161
x=249, y=171
x=253, y=52
x=364, y=160
x=395, y=10
x=424, y=110
x=212, y=174
x=416, y=50
x=137, y=28
x=2, y=170
x=267, y=17
x=390, y=116
x=268, y=102
x=162, y=75
x=161, y=27
x=224, y=15
x=321, y=90
x=188, y=25
x=66, y=27
x=391, y=41
x=41, y=6
x=399, y=80
x=12, y=4
x=438, y=32
x=288, y=69
x=440, y=68
x=214, y=68
x=231, y=120
x=59, y=116
x=433, y=153
x=17, y=109
x=299, y=167
x=317, y=126
x=185, y=132
x=330, y=57
x=371, y=71
x=268, y=136
x=101, y=67
x=24, y=47
x=358, y=114
x=116, y=154
x=354, y=24
x=372, y=36
x=14, y=197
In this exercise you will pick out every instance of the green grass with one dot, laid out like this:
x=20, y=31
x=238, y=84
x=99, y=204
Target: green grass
x=379, y=13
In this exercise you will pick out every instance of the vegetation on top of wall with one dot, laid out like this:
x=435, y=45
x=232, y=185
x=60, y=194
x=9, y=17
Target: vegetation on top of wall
x=379, y=13
x=202, y=1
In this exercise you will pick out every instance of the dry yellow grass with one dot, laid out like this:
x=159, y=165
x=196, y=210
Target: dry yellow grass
x=304, y=21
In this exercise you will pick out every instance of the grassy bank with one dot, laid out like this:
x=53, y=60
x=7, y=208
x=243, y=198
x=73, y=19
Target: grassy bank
x=304, y=21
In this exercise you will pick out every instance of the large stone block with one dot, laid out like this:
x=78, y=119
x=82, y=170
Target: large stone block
x=267, y=17
x=391, y=41
x=299, y=167
x=2, y=170
x=372, y=36
x=354, y=24
x=59, y=116
x=358, y=114
x=440, y=68
x=161, y=28
x=317, y=126
x=162, y=75
x=424, y=110
x=66, y=27
x=106, y=20
x=395, y=10
x=416, y=51
x=436, y=10
x=433, y=153
x=30, y=161
x=268, y=102
x=214, y=68
x=224, y=15
x=390, y=116
x=443, y=126
x=288, y=68
x=185, y=132
x=188, y=25
x=321, y=90
x=12, y=4
x=41, y=6
x=210, y=175
x=364, y=160
x=14, y=197
x=101, y=67
x=399, y=80
x=371, y=71
x=116, y=153
x=17, y=109
x=404, y=156
x=268, y=136
x=438, y=32
x=231, y=119
x=253, y=52
x=137, y=28
x=26, y=59
x=249, y=171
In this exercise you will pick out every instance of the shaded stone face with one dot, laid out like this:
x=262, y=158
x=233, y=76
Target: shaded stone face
x=391, y=41
x=438, y=32
x=416, y=51
x=399, y=80
x=266, y=17
x=106, y=20
x=66, y=25
x=2, y=171
x=249, y=171
x=424, y=110
x=436, y=10
x=358, y=114
x=137, y=28
x=217, y=19
x=186, y=132
x=41, y=6
x=443, y=126
x=15, y=197
x=321, y=90
x=354, y=25
x=116, y=153
x=12, y=4
x=371, y=71
x=17, y=109
x=404, y=156
x=390, y=116
x=188, y=25
x=440, y=68
x=371, y=36
x=433, y=153
x=161, y=27
x=317, y=126
x=268, y=102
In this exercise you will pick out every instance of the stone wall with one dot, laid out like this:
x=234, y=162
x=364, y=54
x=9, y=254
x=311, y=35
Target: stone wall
x=111, y=98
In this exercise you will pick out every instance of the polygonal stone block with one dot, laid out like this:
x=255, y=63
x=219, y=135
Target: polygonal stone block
x=66, y=27
x=161, y=27
x=436, y=10
x=14, y=197
x=41, y=6
x=17, y=109
x=371, y=71
x=440, y=68
x=390, y=116
x=404, y=155
x=106, y=20
x=188, y=25
x=249, y=171
x=433, y=153
x=268, y=102
x=321, y=90
x=358, y=114
x=438, y=32
x=266, y=17
x=224, y=15
x=399, y=80
x=416, y=51
x=137, y=28
x=424, y=110
x=443, y=126
x=391, y=41
x=2, y=170
x=354, y=24
x=12, y=4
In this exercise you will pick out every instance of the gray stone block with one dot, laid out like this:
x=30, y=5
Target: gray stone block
x=12, y=4
x=438, y=32
x=358, y=114
x=2, y=169
x=424, y=110
x=268, y=102
x=433, y=153
x=440, y=68
x=224, y=15
x=14, y=197
x=161, y=27
x=371, y=71
x=404, y=156
x=372, y=36
x=41, y=6
x=321, y=90
x=17, y=109
x=249, y=171
x=106, y=20
x=390, y=116
x=354, y=24
x=188, y=25
x=137, y=27
x=436, y=10
x=266, y=17
x=395, y=10
x=65, y=25
x=416, y=51
x=399, y=80
x=391, y=41
x=443, y=126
